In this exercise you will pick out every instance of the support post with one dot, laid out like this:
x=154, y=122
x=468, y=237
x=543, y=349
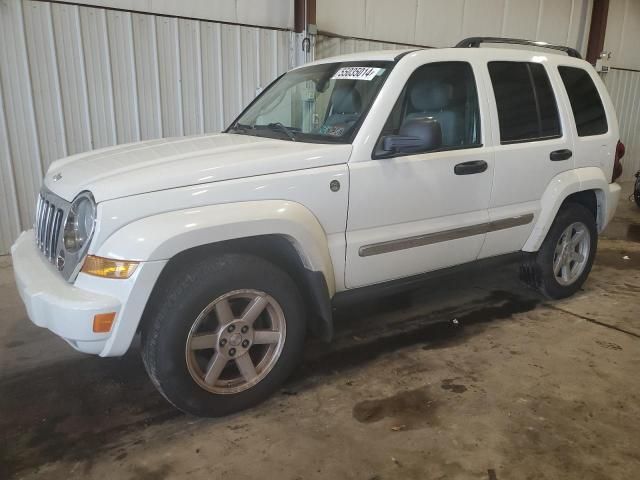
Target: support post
x=598, y=30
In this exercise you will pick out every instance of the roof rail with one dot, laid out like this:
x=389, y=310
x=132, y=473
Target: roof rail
x=474, y=42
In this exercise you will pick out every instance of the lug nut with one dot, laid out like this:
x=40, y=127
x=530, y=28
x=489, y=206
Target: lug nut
x=223, y=342
x=232, y=352
x=231, y=328
x=245, y=344
x=244, y=329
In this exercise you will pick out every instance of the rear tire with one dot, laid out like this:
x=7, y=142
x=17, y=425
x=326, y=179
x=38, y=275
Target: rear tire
x=565, y=258
x=226, y=333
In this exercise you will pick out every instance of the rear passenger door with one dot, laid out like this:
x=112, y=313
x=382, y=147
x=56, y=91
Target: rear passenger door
x=595, y=143
x=532, y=146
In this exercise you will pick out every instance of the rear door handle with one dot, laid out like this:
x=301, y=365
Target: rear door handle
x=469, y=168
x=559, y=155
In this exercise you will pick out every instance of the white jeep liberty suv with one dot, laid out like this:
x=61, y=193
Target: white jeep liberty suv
x=344, y=175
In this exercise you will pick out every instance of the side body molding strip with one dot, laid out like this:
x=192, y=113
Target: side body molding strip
x=446, y=235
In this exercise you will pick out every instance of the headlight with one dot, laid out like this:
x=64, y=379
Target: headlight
x=80, y=223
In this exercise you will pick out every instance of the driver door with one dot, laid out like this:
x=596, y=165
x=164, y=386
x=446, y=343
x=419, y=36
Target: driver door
x=414, y=213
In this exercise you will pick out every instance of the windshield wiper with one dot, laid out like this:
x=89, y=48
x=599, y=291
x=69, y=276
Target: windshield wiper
x=241, y=127
x=275, y=126
x=282, y=128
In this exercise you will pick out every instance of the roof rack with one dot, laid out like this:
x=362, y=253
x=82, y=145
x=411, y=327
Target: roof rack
x=474, y=42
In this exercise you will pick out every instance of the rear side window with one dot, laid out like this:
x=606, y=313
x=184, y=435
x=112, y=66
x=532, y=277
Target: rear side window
x=527, y=109
x=585, y=101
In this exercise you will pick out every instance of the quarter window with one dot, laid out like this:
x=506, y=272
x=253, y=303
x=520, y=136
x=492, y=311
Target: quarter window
x=585, y=101
x=527, y=109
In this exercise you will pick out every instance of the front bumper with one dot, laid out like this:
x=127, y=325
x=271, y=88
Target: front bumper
x=68, y=309
x=55, y=304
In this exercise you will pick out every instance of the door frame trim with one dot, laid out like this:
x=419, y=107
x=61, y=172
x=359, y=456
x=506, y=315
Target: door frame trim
x=443, y=236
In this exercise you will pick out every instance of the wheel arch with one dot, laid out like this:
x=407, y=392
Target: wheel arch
x=592, y=200
x=275, y=248
x=164, y=235
x=585, y=186
x=161, y=238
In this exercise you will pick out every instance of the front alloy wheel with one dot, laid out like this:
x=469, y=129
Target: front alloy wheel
x=223, y=333
x=235, y=341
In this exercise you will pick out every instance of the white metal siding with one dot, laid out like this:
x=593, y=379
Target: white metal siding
x=623, y=33
x=328, y=46
x=621, y=39
x=265, y=13
x=442, y=23
x=78, y=78
x=25, y=172
x=624, y=88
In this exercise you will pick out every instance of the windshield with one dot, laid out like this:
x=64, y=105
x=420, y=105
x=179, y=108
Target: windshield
x=319, y=103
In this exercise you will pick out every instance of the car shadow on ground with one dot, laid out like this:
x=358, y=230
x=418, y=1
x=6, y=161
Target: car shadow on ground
x=70, y=409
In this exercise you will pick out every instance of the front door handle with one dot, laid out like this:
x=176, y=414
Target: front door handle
x=469, y=168
x=559, y=155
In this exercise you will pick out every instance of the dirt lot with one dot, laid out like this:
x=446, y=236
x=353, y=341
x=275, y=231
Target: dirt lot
x=469, y=378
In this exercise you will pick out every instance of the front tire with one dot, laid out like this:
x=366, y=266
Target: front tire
x=225, y=335
x=566, y=256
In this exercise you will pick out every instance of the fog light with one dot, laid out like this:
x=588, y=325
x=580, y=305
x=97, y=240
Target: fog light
x=108, y=268
x=102, y=322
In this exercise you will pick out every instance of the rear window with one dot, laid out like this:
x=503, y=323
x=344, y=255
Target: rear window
x=527, y=109
x=585, y=101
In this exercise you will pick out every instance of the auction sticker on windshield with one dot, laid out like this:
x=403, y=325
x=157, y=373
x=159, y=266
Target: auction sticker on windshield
x=357, y=73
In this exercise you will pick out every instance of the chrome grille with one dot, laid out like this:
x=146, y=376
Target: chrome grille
x=50, y=212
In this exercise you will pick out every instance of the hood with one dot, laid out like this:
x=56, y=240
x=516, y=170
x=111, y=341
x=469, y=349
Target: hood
x=176, y=162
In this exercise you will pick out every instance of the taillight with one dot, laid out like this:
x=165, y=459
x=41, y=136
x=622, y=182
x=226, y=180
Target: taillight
x=617, y=166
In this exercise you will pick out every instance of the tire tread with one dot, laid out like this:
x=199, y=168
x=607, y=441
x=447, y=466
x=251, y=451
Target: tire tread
x=176, y=294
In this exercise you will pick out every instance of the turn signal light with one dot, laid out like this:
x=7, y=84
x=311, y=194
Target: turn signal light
x=102, y=322
x=108, y=268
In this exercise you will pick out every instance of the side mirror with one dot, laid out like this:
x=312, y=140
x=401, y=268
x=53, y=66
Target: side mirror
x=402, y=143
x=415, y=136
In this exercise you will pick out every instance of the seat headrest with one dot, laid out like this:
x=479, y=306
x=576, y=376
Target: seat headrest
x=346, y=100
x=428, y=96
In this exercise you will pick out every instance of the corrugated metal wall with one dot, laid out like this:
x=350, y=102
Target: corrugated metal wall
x=329, y=46
x=623, y=33
x=441, y=23
x=621, y=40
x=624, y=88
x=265, y=13
x=79, y=78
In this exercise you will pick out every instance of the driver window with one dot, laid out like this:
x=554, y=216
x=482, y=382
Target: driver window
x=444, y=92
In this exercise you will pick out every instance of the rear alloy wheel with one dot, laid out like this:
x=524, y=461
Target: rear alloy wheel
x=566, y=256
x=223, y=333
x=571, y=253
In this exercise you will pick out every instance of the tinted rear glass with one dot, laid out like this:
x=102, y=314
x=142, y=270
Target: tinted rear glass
x=549, y=121
x=527, y=109
x=585, y=101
